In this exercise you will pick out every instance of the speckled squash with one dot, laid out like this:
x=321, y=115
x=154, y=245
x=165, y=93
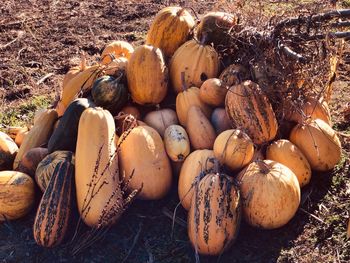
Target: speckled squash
x=215, y=214
x=318, y=142
x=249, y=109
x=234, y=149
x=8, y=151
x=142, y=154
x=54, y=212
x=116, y=49
x=196, y=61
x=195, y=164
x=270, y=193
x=17, y=195
x=177, y=143
x=170, y=29
x=161, y=119
x=285, y=152
x=147, y=75
x=47, y=166
x=234, y=74
x=186, y=99
x=38, y=135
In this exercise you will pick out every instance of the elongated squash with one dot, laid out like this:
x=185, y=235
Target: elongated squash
x=12, y=131
x=17, y=192
x=176, y=142
x=53, y=214
x=96, y=168
x=38, y=135
x=8, y=150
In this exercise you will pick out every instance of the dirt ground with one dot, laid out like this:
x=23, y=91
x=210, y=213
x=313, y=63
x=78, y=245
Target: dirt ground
x=41, y=40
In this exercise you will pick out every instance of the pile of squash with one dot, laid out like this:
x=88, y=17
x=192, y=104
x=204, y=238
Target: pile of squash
x=143, y=120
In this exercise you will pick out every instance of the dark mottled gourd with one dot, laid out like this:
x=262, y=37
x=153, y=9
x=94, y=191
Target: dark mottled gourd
x=64, y=137
x=47, y=166
x=53, y=214
x=110, y=93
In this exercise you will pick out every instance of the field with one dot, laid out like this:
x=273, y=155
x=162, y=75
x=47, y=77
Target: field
x=41, y=40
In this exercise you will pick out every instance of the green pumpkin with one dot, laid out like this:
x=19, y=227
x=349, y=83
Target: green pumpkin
x=110, y=93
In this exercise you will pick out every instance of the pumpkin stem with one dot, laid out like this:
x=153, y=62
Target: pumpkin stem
x=180, y=12
x=264, y=167
x=203, y=39
x=183, y=82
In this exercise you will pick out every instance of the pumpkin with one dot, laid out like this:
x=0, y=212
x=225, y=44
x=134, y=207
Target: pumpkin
x=234, y=149
x=17, y=192
x=96, y=169
x=250, y=110
x=196, y=62
x=285, y=152
x=197, y=163
x=161, y=119
x=46, y=167
x=147, y=75
x=170, y=28
x=234, y=74
x=213, y=92
x=177, y=144
x=38, y=135
x=31, y=159
x=214, y=27
x=318, y=142
x=110, y=93
x=116, y=66
x=12, y=131
x=270, y=193
x=8, y=151
x=70, y=75
x=200, y=131
x=54, y=212
x=311, y=108
x=20, y=137
x=186, y=99
x=116, y=49
x=215, y=214
x=144, y=161
x=220, y=121
x=64, y=137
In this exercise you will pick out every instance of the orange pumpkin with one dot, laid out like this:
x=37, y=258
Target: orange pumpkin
x=116, y=49
x=213, y=92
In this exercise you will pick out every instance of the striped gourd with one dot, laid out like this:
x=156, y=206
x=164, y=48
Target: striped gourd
x=250, y=110
x=53, y=214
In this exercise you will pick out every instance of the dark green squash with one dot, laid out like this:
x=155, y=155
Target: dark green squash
x=110, y=93
x=54, y=212
x=46, y=167
x=64, y=137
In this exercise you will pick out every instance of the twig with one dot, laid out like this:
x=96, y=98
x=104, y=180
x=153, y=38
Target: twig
x=136, y=238
x=168, y=214
x=312, y=215
x=44, y=78
x=292, y=54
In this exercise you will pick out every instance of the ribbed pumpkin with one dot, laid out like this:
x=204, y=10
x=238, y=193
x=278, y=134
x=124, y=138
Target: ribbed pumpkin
x=186, y=99
x=170, y=29
x=195, y=164
x=285, y=152
x=196, y=61
x=96, y=167
x=234, y=74
x=233, y=148
x=64, y=137
x=54, y=212
x=142, y=156
x=250, y=110
x=31, y=159
x=116, y=49
x=220, y=121
x=161, y=119
x=213, y=92
x=177, y=144
x=38, y=135
x=270, y=193
x=17, y=192
x=214, y=27
x=147, y=75
x=215, y=214
x=319, y=143
x=311, y=108
x=110, y=93
x=47, y=166
x=8, y=150
x=200, y=131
